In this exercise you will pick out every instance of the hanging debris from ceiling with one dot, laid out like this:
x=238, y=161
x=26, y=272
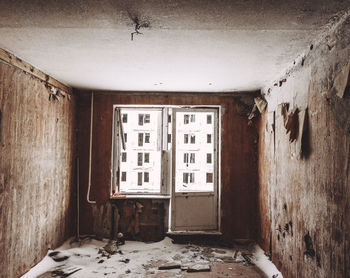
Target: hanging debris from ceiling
x=139, y=23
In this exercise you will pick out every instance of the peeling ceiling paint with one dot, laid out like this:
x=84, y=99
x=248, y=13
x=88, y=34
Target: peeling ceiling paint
x=193, y=45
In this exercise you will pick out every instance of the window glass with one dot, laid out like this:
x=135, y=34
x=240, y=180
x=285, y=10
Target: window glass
x=123, y=156
x=141, y=159
x=146, y=157
x=125, y=118
x=145, y=129
x=194, y=152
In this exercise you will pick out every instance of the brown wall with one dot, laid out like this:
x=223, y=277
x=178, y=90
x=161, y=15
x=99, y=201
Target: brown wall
x=238, y=156
x=305, y=202
x=36, y=151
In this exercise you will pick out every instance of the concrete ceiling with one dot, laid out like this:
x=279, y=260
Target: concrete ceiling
x=191, y=45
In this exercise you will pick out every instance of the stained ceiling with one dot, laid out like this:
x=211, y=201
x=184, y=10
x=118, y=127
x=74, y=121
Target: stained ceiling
x=185, y=45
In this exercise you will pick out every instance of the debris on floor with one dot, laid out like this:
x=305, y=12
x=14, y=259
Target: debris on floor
x=95, y=259
x=58, y=256
x=167, y=266
x=65, y=271
x=199, y=268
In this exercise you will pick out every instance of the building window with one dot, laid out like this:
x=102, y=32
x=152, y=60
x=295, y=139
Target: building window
x=208, y=158
x=139, y=159
x=123, y=156
x=208, y=138
x=209, y=177
x=208, y=119
x=146, y=158
x=125, y=118
x=146, y=177
x=123, y=178
x=147, y=138
x=139, y=178
x=185, y=138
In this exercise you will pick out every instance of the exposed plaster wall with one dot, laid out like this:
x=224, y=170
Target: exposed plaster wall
x=36, y=154
x=305, y=202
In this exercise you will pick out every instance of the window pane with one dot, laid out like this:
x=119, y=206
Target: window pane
x=169, y=138
x=185, y=138
x=123, y=156
x=208, y=157
x=147, y=137
x=191, y=177
x=186, y=119
x=140, y=140
x=193, y=118
x=208, y=119
x=125, y=137
x=146, y=177
x=185, y=178
x=209, y=177
x=139, y=159
x=146, y=157
x=123, y=178
x=208, y=138
x=139, y=178
x=140, y=119
x=185, y=157
x=192, y=158
x=124, y=118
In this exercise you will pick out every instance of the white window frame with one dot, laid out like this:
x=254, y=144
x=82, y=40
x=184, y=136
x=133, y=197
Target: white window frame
x=166, y=156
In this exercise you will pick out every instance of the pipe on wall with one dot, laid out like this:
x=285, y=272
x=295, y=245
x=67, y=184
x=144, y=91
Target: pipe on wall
x=90, y=149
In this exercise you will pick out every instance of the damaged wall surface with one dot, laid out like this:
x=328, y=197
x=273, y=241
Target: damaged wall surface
x=238, y=156
x=304, y=194
x=36, y=146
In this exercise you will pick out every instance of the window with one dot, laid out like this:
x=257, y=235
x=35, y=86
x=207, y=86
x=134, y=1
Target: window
x=146, y=177
x=123, y=178
x=125, y=118
x=123, y=156
x=209, y=177
x=147, y=138
x=208, y=138
x=147, y=119
x=146, y=158
x=188, y=139
x=208, y=158
x=185, y=138
x=208, y=119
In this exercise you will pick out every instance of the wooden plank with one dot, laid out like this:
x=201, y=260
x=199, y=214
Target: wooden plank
x=17, y=62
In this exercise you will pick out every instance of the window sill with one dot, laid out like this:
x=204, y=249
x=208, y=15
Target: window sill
x=139, y=196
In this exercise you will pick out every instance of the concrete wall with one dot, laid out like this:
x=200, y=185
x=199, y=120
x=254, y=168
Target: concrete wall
x=36, y=152
x=238, y=156
x=304, y=201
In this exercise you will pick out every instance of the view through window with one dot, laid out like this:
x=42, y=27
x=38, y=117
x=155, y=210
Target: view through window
x=147, y=143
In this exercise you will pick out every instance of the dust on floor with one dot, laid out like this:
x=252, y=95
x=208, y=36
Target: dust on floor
x=94, y=258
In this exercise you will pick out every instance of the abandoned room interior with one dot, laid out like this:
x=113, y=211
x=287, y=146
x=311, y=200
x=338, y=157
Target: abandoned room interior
x=175, y=138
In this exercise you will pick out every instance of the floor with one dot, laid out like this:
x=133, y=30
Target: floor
x=94, y=258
